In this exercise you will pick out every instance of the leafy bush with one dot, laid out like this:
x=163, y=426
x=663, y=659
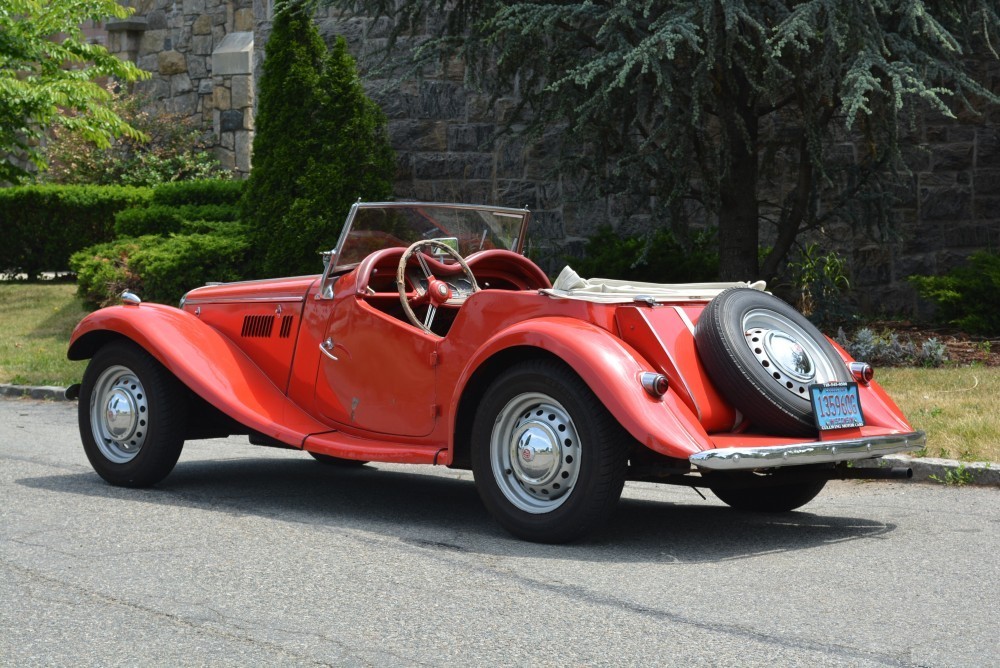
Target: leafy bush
x=163, y=219
x=658, y=258
x=821, y=283
x=44, y=225
x=319, y=145
x=202, y=193
x=177, y=150
x=966, y=297
x=160, y=268
x=886, y=349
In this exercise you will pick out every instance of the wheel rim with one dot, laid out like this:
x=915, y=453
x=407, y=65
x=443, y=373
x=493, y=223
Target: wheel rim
x=535, y=453
x=790, y=355
x=118, y=414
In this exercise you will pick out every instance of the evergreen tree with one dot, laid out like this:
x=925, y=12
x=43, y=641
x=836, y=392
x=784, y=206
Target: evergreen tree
x=699, y=103
x=320, y=145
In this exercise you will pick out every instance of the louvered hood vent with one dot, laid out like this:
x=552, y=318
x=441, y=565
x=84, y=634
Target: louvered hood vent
x=257, y=326
x=261, y=326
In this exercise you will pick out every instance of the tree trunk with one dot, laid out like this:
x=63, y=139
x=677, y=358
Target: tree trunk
x=738, y=214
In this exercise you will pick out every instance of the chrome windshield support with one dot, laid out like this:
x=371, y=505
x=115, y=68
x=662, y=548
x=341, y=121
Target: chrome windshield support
x=798, y=454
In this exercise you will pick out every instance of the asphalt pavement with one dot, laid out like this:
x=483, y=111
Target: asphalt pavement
x=254, y=556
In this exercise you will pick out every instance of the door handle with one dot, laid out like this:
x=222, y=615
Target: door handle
x=326, y=347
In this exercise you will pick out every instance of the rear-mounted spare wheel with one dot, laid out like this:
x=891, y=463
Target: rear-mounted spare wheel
x=763, y=355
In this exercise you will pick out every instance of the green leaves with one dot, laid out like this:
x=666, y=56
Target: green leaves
x=47, y=77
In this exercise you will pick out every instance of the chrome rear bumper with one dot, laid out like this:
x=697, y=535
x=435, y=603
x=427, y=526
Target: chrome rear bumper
x=799, y=454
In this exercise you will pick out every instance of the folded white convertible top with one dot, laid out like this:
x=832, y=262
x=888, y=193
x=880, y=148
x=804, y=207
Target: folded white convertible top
x=569, y=285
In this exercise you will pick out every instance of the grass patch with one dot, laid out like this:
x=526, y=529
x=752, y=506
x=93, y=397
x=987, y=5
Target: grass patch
x=958, y=407
x=36, y=320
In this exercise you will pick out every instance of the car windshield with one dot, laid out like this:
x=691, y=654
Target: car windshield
x=466, y=228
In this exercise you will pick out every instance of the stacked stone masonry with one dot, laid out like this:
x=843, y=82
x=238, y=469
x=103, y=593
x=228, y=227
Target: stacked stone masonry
x=449, y=146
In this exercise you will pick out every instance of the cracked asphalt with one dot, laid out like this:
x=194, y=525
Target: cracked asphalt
x=253, y=556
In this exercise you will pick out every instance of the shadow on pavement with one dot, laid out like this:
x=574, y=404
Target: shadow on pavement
x=440, y=513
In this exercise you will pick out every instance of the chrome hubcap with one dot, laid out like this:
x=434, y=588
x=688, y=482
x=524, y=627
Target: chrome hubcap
x=789, y=354
x=535, y=452
x=119, y=414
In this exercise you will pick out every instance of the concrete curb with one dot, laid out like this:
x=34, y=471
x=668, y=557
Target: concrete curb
x=48, y=392
x=925, y=469
x=947, y=471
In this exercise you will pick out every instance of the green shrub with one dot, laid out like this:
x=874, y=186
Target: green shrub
x=162, y=219
x=176, y=150
x=203, y=193
x=656, y=258
x=160, y=268
x=44, y=225
x=140, y=221
x=966, y=296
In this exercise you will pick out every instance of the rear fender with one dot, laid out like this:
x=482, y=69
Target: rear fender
x=611, y=369
x=207, y=362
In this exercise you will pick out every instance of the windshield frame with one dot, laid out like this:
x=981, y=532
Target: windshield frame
x=332, y=258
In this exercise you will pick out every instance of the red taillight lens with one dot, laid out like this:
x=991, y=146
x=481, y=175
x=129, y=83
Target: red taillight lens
x=862, y=372
x=654, y=383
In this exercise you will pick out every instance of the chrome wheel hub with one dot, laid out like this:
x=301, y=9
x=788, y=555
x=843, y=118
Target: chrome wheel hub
x=789, y=354
x=535, y=452
x=119, y=414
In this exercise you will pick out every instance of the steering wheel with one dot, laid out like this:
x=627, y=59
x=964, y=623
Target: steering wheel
x=438, y=292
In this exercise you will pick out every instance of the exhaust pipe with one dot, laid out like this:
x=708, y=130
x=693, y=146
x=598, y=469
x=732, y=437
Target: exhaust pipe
x=894, y=473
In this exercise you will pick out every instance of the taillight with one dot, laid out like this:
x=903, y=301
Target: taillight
x=654, y=383
x=862, y=372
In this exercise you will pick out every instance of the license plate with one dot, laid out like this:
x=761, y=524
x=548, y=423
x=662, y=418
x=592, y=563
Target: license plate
x=836, y=406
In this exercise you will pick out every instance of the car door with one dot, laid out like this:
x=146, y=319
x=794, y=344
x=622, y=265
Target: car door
x=376, y=372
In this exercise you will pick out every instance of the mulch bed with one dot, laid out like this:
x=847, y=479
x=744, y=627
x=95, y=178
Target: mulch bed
x=963, y=348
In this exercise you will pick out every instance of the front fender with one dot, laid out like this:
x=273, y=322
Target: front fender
x=611, y=369
x=207, y=362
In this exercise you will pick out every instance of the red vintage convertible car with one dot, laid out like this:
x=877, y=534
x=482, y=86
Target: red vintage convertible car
x=430, y=339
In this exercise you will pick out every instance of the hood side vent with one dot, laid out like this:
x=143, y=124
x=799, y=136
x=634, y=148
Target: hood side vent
x=286, y=326
x=257, y=326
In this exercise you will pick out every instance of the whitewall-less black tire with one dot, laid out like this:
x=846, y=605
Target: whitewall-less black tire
x=132, y=416
x=763, y=355
x=548, y=458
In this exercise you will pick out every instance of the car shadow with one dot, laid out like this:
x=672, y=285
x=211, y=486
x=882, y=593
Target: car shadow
x=444, y=513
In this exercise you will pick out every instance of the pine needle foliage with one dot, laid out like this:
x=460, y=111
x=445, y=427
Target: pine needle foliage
x=49, y=77
x=320, y=144
x=701, y=103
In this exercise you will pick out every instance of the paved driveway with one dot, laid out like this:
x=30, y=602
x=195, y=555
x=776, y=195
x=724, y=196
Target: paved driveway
x=253, y=556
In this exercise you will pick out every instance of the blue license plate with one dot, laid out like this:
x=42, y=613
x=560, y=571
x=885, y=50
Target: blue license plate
x=836, y=406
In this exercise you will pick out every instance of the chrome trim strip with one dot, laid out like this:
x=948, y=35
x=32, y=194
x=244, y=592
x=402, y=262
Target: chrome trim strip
x=815, y=452
x=238, y=300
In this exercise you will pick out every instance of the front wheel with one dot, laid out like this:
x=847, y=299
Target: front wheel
x=771, y=499
x=548, y=459
x=132, y=416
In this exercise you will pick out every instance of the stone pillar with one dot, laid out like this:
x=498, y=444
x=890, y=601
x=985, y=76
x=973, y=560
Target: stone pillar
x=233, y=101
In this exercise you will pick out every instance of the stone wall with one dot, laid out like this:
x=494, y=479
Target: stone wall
x=175, y=40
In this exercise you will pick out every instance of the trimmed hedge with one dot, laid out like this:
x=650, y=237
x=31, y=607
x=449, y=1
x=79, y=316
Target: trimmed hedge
x=164, y=219
x=210, y=192
x=161, y=268
x=43, y=225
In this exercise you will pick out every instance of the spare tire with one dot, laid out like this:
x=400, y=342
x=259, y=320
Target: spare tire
x=763, y=355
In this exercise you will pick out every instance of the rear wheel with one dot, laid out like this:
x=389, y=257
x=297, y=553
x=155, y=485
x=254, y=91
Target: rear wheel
x=132, y=416
x=770, y=499
x=548, y=458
